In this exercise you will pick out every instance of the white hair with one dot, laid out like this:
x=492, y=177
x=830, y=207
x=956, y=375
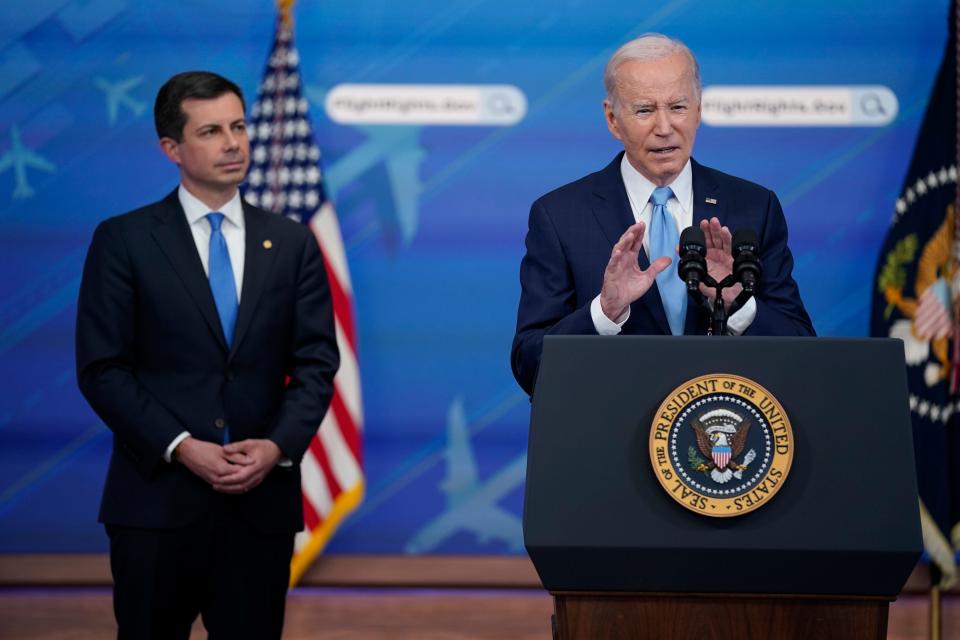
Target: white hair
x=649, y=46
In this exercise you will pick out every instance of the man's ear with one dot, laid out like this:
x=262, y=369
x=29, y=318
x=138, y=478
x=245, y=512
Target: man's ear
x=171, y=149
x=611, y=119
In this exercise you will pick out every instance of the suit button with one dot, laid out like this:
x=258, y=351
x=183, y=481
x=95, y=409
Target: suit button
x=231, y=375
x=219, y=423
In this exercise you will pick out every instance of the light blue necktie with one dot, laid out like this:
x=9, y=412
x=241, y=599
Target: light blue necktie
x=663, y=242
x=222, y=284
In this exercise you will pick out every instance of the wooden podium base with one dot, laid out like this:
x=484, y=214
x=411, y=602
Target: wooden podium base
x=685, y=616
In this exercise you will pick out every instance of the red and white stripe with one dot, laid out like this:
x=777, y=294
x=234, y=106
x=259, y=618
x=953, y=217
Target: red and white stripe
x=932, y=320
x=721, y=457
x=332, y=466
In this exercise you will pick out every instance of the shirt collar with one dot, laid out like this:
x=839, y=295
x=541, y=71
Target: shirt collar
x=640, y=189
x=196, y=210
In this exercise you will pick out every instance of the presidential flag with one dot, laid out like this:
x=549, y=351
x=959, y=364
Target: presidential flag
x=916, y=299
x=285, y=178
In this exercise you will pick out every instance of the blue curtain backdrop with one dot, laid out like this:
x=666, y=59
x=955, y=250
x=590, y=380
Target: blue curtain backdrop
x=433, y=216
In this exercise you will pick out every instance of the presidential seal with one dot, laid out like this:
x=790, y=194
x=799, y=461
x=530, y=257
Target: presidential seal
x=721, y=445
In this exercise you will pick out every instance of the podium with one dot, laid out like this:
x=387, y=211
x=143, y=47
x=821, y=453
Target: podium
x=821, y=559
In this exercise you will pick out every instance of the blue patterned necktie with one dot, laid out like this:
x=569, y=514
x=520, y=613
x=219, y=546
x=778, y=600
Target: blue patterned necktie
x=222, y=285
x=663, y=242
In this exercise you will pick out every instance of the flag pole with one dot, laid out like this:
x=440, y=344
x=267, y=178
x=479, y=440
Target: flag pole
x=935, y=619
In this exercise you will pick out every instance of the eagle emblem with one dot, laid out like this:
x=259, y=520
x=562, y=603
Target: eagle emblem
x=926, y=324
x=708, y=432
x=722, y=437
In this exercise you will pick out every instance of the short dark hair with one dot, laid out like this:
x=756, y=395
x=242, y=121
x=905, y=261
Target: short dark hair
x=168, y=115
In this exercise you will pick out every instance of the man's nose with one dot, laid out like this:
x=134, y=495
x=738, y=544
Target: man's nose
x=661, y=123
x=231, y=140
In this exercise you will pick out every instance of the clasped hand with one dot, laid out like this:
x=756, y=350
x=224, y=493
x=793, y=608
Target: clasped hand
x=624, y=281
x=234, y=468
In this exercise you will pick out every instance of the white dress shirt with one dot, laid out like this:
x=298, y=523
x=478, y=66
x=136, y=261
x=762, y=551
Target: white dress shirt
x=680, y=206
x=234, y=232
x=235, y=235
x=232, y=227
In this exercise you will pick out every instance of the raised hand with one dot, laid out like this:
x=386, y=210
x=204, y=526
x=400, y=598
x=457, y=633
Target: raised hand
x=719, y=242
x=623, y=280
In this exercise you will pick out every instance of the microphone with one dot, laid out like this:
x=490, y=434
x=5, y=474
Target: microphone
x=692, y=268
x=746, y=260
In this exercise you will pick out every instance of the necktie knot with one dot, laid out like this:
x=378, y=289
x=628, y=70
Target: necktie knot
x=215, y=219
x=661, y=195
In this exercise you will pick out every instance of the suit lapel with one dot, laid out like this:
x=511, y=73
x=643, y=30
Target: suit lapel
x=708, y=202
x=611, y=206
x=176, y=242
x=260, y=252
x=613, y=213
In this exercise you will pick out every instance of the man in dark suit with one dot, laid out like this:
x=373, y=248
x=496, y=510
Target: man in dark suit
x=588, y=267
x=205, y=342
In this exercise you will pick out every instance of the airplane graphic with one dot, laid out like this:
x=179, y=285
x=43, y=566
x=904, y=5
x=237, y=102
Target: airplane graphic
x=118, y=94
x=471, y=505
x=398, y=148
x=20, y=159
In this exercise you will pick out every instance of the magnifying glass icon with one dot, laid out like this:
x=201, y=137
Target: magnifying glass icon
x=499, y=104
x=872, y=105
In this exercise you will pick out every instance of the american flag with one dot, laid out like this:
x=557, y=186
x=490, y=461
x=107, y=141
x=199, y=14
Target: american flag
x=285, y=178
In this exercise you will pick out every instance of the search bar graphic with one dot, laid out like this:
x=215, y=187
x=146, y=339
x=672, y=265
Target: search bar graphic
x=799, y=106
x=426, y=104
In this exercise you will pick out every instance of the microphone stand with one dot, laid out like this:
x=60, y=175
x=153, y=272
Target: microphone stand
x=693, y=271
x=718, y=314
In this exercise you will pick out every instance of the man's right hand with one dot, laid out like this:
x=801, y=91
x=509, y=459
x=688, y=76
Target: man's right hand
x=623, y=280
x=205, y=459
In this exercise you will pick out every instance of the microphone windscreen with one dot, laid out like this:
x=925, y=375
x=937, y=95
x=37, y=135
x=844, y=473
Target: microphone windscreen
x=694, y=236
x=743, y=237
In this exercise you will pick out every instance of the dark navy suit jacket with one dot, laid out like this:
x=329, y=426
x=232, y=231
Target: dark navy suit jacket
x=152, y=361
x=572, y=231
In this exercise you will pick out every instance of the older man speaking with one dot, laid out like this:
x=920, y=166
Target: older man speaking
x=601, y=252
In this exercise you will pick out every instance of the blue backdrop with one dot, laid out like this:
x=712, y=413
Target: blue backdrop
x=433, y=216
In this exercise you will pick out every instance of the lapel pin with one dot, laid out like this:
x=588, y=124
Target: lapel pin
x=267, y=244
x=711, y=201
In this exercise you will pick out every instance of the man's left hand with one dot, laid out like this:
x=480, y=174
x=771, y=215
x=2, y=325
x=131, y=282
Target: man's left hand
x=253, y=459
x=719, y=260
